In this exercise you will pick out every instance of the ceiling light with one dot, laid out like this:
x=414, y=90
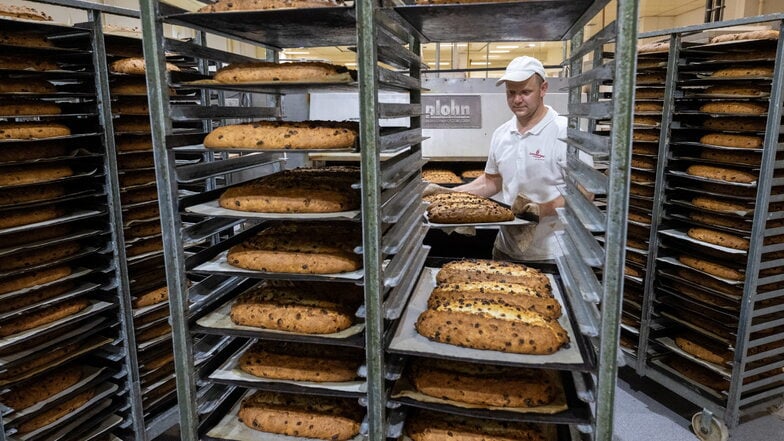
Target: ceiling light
x=496, y=51
x=296, y=52
x=480, y=63
x=507, y=46
x=531, y=44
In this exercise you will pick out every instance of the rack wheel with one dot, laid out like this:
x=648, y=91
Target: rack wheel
x=708, y=428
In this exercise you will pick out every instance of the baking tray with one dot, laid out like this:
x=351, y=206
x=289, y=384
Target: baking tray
x=565, y=409
x=51, y=241
x=75, y=274
x=80, y=332
x=229, y=428
x=407, y=340
x=716, y=147
x=274, y=87
x=89, y=374
x=660, y=362
x=229, y=373
x=102, y=391
x=83, y=252
x=220, y=265
x=516, y=222
x=701, y=191
x=689, y=322
x=212, y=208
x=51, y=138
x=88, y=345
x=683, y=174
x=78, y=291
x=682, y=235
x=74, y=176
x=219, y=322
x=94, y=308
x=676, y=262
x=199, y=148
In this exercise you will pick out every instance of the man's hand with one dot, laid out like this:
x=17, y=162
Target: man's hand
x=526, y=209
x=435, y=189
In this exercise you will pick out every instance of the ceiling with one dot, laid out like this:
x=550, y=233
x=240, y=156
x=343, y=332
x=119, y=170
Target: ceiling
x=483, y=56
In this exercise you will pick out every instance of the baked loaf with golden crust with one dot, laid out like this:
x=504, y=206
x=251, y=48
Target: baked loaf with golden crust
x=25, y=39
x=441, y=176
x=298, y=71
x=28, y=108
x=732, y=156
x=135, y=66
x=721, y=205
x=438, y=426
x=23, y=12
x=303, y=307
x=301, y=362
x=712, y=268
x=131, y=86
x=750, y=35
x=700, y=374
x=255, y=5
x=283, y=135
x=301, y=247
x=516, y=294
x=41, y=387
x=21, y=195
x=32, y=129
x=27, y=85
x=55, y=413
x=491, y=325
x=35, y=278
x=703, y=348
x=721, y=173
x=732, y=140
x=318, y=190
x=734, y=107
x=720, y=238
x=463, y=208
x=42, y=317
x=741, y=71
x=736, y=124
x=734, y=89
x=485, y=270
x=33, y=174
x=329, y=418
x=484, y=385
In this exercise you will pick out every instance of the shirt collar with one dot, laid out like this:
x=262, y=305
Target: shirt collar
x=535, y=130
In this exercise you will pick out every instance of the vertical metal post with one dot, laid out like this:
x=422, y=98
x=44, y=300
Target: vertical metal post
x=166, y=179
x=371, y=215
x=617, y=207
x=120, y=261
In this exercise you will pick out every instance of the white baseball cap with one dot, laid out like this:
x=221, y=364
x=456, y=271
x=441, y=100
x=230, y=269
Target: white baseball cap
x=521, y=69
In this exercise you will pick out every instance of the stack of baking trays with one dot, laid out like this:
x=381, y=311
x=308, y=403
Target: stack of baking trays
x=648, y=106
x=490, y=346
x=141, y=221
x=56, y=325
x=711, y=184
x=298, y=311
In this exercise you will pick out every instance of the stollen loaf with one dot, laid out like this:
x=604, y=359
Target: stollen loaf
x=510, y=293
x=301, y=361
x=462, y=208
x=282, y=135
x=316, y=190
x=437, y=426
x=298, y=71
x=301, y=247
x=485, y=270
x=322, y=417
x=249, y=5
x=302, y=307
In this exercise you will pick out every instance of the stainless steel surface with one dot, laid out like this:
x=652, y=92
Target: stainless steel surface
x=597, y=146
x=185, y=113
x=594, y=111
x=587, y=212
x=591, y=179
x=206, y=169
x=587, y=321
x=588, y=248
x=583, y=277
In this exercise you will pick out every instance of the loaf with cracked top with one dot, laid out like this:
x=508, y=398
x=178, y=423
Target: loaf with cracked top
x=284, y=135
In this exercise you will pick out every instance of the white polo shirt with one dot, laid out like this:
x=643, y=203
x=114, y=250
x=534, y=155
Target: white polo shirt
x=531, y=163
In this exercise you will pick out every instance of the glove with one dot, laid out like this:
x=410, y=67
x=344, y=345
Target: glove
x=432, y=189
x=524, y=208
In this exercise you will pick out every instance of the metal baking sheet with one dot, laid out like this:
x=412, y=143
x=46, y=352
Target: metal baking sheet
x=76, y=292
x=94, y=308
x=82, y=331
x=89, y=374
x=103, y=424
x=715, y=181
x=201, y=149
x=229, y=373
x=220, y=319
x=404, y=389
x=75, y=274
x=690, y=323
x=720, y=115
x=52, y=138
x=516, y=222
x=701, y=78
x=48, y=242
x=661, y=364
x=102, y=391
x=702, y=191
x=86, y=346
x=408, y=341
x=728, y=96
x=83, y=252
x=716, y=147
x=51, y=181
x=229, y=428
x=676, y=262
x=219, y=265
x=213, y=208
x=682, y=235
x=281, y=87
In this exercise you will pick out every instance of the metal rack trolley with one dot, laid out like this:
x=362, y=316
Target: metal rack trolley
x=379, y=32
x=755, y=319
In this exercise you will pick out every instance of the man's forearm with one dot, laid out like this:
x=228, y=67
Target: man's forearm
x=485, y=186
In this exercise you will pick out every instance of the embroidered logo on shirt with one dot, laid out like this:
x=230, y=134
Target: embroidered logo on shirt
x=537, y=155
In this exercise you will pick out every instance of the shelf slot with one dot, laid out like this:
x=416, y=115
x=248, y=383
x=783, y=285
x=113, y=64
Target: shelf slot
x=587, y=320
x=194, y=112
x=589, y=287
x=598, y=146
x=594, y=111
x=196, y=172
x=604, y=72
x=587, y=246
x=588, y=214
x=591, y=179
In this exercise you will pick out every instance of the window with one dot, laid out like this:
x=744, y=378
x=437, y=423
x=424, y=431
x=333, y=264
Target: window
x=714, y=10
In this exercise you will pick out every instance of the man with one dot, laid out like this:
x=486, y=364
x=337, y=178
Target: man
x=525, y=164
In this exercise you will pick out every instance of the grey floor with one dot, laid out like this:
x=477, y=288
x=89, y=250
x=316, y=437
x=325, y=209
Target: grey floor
x=641, y=415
